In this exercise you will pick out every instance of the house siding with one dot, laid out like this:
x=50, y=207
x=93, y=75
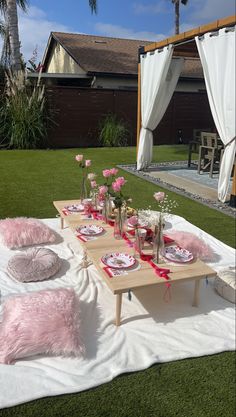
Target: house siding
x=60, y=62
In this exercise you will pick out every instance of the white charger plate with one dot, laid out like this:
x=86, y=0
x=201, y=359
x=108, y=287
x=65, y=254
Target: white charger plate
x=176, y=254
x=118, y=260
x=90, y=230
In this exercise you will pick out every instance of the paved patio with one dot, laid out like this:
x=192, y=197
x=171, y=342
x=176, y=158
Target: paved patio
x=177, y=177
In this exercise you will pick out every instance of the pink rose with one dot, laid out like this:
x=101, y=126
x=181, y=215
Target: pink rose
x=88, y=163
x=79, y=158
x=159, y=196
x=116, y=186
x=93, y=184
x=113, y=171
x=121, y=181
x=133, y=221
x=106, y=173
x=103, y=189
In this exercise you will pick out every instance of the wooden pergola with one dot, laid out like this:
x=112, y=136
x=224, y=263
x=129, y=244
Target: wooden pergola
x=184, y=46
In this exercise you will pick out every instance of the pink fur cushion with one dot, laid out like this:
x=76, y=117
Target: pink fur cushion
x=192, y=243
x=35, y=264
x=23, y=231
x=42, y=322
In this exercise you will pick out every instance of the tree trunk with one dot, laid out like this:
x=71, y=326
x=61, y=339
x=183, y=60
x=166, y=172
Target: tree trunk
x=177, y=17
x=12, y=20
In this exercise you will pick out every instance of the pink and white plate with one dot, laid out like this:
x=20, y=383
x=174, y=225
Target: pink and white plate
x=141, y=222
x=75, y=208
x=118, y=260
x=90, y=230
x=176, y=254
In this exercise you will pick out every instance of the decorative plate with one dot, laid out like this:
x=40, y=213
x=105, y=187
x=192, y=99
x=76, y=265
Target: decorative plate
x=75, y=208
x=90, y=230
x=118, y=260
x=141, y=223
x=176, y=254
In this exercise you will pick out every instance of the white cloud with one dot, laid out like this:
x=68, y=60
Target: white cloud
x=151, y=8
x=210, y=10
x=116, y=31
x=34, y=30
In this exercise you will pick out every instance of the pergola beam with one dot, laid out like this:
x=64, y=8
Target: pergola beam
x=182, y=37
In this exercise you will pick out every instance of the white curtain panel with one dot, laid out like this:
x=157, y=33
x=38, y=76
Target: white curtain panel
x=217, y=54
x=159, y=76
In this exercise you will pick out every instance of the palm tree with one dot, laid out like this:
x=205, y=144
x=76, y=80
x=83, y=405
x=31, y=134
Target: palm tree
x=177, y=4
x=9, y=32
x=9, y=9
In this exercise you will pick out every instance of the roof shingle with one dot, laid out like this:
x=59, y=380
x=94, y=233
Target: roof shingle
x=98, y=54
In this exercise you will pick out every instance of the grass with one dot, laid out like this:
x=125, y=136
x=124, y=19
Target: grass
x=30, y=181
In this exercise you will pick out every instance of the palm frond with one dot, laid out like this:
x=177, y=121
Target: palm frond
x=93, y=5
x=23, y=4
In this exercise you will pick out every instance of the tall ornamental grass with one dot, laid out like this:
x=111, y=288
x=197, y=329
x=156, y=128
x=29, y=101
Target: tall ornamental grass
x=23, y=118
x=113, y=132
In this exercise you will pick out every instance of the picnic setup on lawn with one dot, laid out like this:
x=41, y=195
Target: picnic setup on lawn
x=103, y=273
x=104, y=288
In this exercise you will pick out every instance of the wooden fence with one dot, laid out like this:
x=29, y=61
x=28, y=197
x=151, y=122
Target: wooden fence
x=77, y=113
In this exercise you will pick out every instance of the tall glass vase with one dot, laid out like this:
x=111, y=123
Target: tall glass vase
x=107, y=208
x=119, y=224
x=83, y=189
x=158, y=242
x=94, y=196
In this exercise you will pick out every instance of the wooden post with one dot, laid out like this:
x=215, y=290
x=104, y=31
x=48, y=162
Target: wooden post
x=196, y=293
x=118, y=308
x=232, y=201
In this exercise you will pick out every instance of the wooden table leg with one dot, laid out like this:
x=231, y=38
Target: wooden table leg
x=118, y=308
x=196, y=293
x=62, y=223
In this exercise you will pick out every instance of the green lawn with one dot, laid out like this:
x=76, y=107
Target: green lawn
x=30, y=181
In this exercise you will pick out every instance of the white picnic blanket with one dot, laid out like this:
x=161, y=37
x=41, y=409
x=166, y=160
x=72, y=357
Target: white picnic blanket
x=151, y=331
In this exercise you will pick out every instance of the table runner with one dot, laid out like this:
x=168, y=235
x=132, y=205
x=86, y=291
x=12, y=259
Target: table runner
x=153, y=331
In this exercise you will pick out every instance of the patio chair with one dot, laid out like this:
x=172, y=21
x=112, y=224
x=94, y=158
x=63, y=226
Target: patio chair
x=209, y=153
x=195, y=142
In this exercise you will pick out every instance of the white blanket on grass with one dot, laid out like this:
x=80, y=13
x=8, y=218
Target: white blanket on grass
x=152, y=330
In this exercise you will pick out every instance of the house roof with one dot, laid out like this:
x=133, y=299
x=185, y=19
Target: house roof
x=98, y=54
x=105, y=55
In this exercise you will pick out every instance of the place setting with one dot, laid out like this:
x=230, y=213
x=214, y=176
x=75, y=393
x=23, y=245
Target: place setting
x=89, y=232
x=119, y=263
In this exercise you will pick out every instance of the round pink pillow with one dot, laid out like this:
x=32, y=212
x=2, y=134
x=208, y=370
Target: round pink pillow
x=34, y=264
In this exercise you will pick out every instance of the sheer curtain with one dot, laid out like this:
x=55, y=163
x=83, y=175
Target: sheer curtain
x=217, y=54
x=159, y=76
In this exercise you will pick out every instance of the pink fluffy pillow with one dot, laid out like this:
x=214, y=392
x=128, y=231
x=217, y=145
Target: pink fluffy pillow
x=192, y=243
x=42, y=322
x=23, y=231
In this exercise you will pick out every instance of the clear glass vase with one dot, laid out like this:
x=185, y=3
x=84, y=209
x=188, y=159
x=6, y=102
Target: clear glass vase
x=107, y=208
x=158, y=243
x=94, y=196
x=119, y=224
x=83, y=189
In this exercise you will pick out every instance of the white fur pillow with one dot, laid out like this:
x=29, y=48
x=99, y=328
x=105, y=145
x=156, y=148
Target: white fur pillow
x=34, y=264
x=23, y=231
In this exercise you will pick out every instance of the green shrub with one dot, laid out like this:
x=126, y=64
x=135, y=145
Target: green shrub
x=113, y=132
x=23, y=118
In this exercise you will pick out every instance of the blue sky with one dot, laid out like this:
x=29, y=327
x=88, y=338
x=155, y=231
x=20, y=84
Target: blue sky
x=135, y=19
